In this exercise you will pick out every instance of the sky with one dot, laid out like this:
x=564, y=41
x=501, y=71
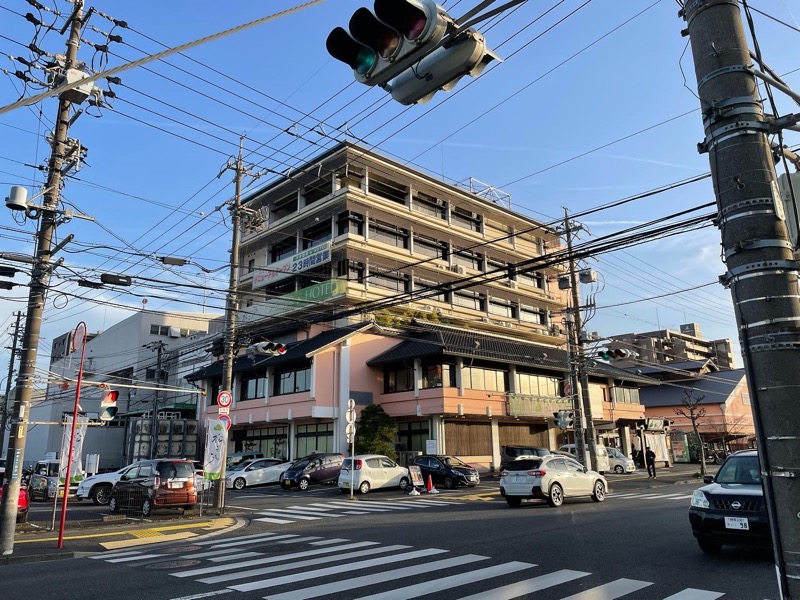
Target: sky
x=593, y=103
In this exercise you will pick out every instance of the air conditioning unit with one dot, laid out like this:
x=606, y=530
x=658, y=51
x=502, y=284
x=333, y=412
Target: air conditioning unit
x=507, y=324
x=174, y=332
x=459, y=269
x=485, y=320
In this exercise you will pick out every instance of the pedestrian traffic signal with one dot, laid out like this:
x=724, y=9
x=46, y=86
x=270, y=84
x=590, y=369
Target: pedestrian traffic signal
x=267, y=348
x=403, y=48
x=108, y=406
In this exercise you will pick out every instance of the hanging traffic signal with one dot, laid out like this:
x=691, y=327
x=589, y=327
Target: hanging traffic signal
x=108, y=406
x=267, y=348
x=616, y=354
x=398, y=48
x=565, y=419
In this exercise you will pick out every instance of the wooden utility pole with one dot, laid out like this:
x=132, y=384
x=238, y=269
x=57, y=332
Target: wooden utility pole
x=762, y=270
x=40, y=279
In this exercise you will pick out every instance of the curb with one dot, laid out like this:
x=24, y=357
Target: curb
x=34, y=558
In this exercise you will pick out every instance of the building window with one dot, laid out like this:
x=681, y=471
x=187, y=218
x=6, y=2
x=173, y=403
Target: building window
x=468, y=258
x=430, y=247
x=251, y=265
x=317, y=437
x=388, y=234
x=283, y=249
x=481, y=378
x=626, y=395
x=503, y=308
x=159, y=330
x=292, y=381
x=430, y=206
x=532, y=384
x=283, y=207
x=316, y=191
x=438, y=375
x=352, y=270
x=385, y=280
x=285, y=286
x=411, y=435
x=430, y=290
x=398, y=379
x=533, y=278
x=387, y=189
x=317, y=235
x=270, y=441
x=469, y=299
x=150, y=375
x=466, y=219
x=254, y=386
x=530, y=314
x=350, y=222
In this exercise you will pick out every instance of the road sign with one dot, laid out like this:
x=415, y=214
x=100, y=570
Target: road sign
x=351, y=404
x=224, y=410
x=350, y=415
x=226, y=420
x=224, y=399
x=350, y=429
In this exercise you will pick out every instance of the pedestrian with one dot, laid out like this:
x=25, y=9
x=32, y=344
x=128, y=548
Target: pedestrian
x=650, y=460
x=635, y=456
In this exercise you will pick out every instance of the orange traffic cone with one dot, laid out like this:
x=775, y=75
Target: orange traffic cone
x=430, y=485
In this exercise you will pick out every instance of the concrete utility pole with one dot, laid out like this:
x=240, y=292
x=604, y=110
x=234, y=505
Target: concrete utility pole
x=40, y=279
x=762, y=270
x=578, y=360
x=4, y=413
x=231, y=310
x=159, y=348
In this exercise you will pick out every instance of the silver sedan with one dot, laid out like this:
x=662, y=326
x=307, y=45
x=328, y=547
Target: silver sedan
x=256, y=472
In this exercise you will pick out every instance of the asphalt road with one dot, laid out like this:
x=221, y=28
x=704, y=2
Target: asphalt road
x=461, y=544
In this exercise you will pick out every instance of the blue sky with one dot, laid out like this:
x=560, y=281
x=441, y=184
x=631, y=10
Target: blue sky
x=593, y=103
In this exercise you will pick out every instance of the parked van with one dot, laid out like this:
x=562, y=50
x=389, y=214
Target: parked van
x=601, y=459
x=44, y=481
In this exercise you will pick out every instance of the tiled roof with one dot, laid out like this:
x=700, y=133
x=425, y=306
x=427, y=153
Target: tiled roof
x=715, y=388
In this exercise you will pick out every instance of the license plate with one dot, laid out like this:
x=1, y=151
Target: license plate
x=519, y=479
x=471, y=477
x=740, y=523
x=175, y=485
x=346, y=484
x=287, y=481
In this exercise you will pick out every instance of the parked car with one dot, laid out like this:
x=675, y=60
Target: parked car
x=367, y=472
x=447, y=471
x=510, y=453
x=619, y=463
x=44, y=482
x=322, y=467
x=730, y=508
x=155, y=484
x=602, y=456
x=23, y=503
x=98, y=487
x=256, y=472
x=553, y=478
x=237, y=458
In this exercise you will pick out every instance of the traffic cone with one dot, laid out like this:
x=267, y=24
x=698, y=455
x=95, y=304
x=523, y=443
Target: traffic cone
x=430, y=489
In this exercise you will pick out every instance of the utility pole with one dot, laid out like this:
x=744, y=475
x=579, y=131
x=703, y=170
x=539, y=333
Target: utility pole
x=159, y=348
x=40, y=278
x=231, y=309
x=578, y=360
x=4, y=413
x=762, y=270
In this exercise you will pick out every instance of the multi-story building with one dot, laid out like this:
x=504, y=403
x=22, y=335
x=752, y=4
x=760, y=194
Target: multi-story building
x=391, y=287
x=145, y=358
x=669, y=346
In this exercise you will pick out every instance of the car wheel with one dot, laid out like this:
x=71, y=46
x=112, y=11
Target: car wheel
x=364, y=487
x=101, y=494
x=709, y=546
x=556, y=495
x=619, y=470
x=403, y=484
x=239, y=483
x=147, y=508
x=303, y=483
x=514, y=502
x=113, y=505
x=599, y=491
x=449, y=483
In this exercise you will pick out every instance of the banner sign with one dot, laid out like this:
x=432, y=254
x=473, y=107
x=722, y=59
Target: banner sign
x=302, y=261
x=76, y=469
x=216, y=436
x=416, y=476
x=308, y=296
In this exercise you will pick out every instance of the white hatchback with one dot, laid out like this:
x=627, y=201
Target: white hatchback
x=367, y=472
x=255, y=472
x=552, y=478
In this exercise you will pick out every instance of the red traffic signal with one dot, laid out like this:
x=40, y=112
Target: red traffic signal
x=268, y=348
x=108, y=405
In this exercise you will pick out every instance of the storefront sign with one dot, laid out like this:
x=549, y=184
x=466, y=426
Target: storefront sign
x=416, y=476
x=655, y=424
x=302, y=261
x=521, y=405
x=309, y=296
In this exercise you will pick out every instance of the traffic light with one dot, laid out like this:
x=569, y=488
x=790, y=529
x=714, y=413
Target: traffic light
x=398, y=48
x=564, y=418
x=617, y=353
x=267, y=348
x=108, y=406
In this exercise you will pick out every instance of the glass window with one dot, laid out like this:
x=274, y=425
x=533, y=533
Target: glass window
x=438, y=375
x=481, y=378
x=316, y=191
x=153, y=329
x=534, y=279
x=388, y=234
x=398, y=379
x=254, y=386
x=429, y=205
x=626, y=395
x=292, y=381
x=529, y=314
x=387, y=189
x=317, y=235
x=430, y=290
x=503, y=308
x=468, y=258
x=251, y=265
x=283, y=249
x=430, y=247
x=283, y=207
x=466, y=219
x=350, y=222
x=395, y=282
x=351, y=270
x=469, y=299
x=537, y=385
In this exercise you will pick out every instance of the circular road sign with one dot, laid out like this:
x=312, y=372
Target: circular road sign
x=350, y=415
x=226, y=420
x=224, y=399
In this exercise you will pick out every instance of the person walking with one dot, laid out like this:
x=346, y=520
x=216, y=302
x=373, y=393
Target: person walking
x=650, y=460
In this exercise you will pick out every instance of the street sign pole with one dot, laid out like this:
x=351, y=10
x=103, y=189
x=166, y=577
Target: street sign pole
x=350, y=432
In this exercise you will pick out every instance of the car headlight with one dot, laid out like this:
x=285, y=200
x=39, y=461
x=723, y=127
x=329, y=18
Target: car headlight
x=699, y=500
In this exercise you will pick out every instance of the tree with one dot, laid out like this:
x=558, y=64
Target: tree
x=376, y=432
x=692, y=410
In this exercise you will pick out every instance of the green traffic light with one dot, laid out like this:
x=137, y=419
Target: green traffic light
x=365, y=60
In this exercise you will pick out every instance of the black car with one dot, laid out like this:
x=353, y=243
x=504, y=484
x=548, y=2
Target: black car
x=316, y=468
x=151, y=484
x=730, y=509
x=447, y=471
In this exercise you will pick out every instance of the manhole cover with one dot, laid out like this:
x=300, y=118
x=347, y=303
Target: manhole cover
x=179, y=549
x=173, y=564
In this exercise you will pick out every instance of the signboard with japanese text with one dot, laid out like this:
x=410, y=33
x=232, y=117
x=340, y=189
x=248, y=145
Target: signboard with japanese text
x=302, y=261
x=76, y=473
x=416, y=476
x=216, y=438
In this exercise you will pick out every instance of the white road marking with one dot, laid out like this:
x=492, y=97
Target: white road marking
x=137, y=557
x=205, y=595
x=528, y=586
x=210, y=553
x=610, y=591
x=693, y=594
x=107, y=555
x=266, y=538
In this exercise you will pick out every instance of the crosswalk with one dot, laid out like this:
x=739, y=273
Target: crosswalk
x=342, y=508
x=299, y=567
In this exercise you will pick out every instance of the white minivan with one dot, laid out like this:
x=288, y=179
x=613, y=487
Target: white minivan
x=601, y=459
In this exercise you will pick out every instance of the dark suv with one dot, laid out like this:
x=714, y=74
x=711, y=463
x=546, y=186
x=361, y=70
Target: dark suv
x=510, y=453
x=322, y=467
x=448, y=471
x=730, y=509
x=155, y=484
